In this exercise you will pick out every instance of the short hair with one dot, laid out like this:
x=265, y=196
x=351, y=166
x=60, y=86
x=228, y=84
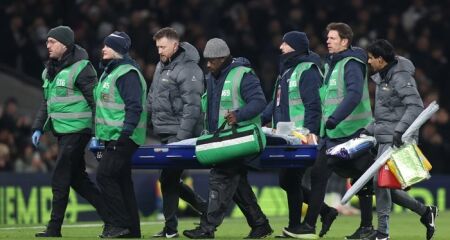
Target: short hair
x=167, y=32
x=343, y=29
x=382, y=48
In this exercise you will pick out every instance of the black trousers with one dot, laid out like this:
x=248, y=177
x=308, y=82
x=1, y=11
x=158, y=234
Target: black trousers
x=321, y=172
x=116, y=185
x=172, y=189
x=226, y=183
x=70, y=171
x=290, y=180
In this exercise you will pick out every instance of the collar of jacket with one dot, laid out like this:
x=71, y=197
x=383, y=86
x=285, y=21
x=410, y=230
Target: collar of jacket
x=382, y=75
x=110, y=65
x=384, y=72
x=172, y=62
x=55, y=65
x=224, y=68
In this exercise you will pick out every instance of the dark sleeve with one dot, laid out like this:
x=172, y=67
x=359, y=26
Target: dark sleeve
x=86, y=81
x=354, y=84
x=190, y=85
x=309, y=92
x=130, y=89
x=266, y=116
x=253, y=96
x=41, y=117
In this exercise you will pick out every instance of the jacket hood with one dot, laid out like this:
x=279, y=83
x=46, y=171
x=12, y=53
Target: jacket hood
x=240, y=61
x=403, y=65
x=190, y=54
x=311, y=57
x=356, y=52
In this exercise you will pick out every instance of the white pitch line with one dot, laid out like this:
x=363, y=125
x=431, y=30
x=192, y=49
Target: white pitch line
x=71, y=226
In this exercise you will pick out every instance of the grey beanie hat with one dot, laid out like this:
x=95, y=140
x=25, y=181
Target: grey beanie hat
x=216, y=48
x=63, y=34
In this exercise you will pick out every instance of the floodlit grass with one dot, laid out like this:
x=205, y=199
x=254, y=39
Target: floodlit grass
x=403, y=226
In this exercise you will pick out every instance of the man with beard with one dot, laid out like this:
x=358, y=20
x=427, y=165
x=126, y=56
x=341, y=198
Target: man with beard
x=174, y=108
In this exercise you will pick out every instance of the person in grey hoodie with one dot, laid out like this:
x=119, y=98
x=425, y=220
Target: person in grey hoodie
x=397, y=105
x=174, y=108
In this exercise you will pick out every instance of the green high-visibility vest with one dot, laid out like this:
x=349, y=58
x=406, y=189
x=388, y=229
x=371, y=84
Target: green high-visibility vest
x=333, y=92
x=296, y=107
x=110, y=107
x=68, y=111
x=231, y=99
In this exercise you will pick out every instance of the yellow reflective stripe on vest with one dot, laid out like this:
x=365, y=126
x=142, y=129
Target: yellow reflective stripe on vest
x=70, y=115
x=69, y=99
x=116, y=123
x=111, y=105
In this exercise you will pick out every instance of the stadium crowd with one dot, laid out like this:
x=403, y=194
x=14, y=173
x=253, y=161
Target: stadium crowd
x=418, y=30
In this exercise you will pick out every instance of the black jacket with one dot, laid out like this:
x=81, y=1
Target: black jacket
x=309, y=92
x=85, y=82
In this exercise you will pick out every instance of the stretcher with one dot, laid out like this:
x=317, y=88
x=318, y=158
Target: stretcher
x=182, y=156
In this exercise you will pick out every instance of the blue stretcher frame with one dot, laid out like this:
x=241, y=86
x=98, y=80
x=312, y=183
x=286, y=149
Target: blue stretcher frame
x=182, y=156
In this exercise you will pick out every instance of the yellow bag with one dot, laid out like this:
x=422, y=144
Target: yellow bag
x=422, y=157
x=407, y=166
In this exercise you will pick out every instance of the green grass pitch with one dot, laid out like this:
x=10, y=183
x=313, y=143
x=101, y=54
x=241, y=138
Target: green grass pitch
x=403, y=226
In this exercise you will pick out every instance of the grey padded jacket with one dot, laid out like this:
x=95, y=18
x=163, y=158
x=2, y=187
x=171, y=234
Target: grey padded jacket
x=397, y=101
x=173, y=101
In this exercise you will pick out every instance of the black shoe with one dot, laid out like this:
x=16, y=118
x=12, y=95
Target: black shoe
x=198, y=233
x=428, y=219
x=375, y=235
x=48, y=233
x=327, y=220
x=304, y=231
x=361, y=233
x=166, y=233
x=262, y=231
x=106, y=228
x=117, y=232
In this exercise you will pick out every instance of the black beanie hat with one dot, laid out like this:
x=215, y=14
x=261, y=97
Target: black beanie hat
x=119, y=42
x=297, y=40
x=63, y=34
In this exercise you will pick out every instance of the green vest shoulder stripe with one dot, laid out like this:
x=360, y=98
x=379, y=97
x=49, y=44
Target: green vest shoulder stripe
x=67, y=108
x=110, y=107
x=332, y=94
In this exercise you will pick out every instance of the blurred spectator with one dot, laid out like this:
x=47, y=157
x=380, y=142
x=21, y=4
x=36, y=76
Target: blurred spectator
x=5, y=163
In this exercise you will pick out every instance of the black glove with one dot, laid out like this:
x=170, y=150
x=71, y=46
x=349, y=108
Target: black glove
x=330, y=124
x=123, y=140
x=120, y=142
x=397, y=139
